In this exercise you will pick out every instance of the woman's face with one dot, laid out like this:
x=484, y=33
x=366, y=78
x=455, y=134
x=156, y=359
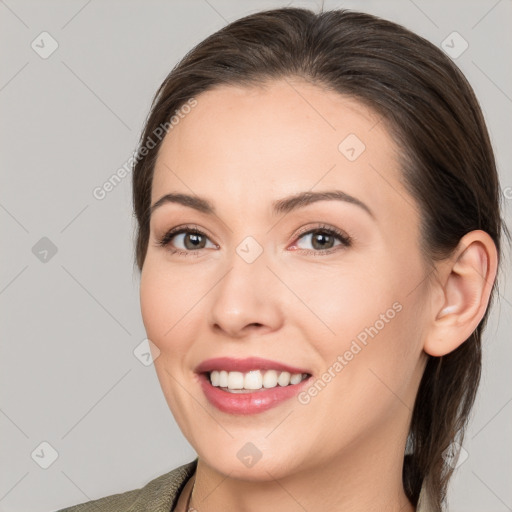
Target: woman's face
x=257, y=283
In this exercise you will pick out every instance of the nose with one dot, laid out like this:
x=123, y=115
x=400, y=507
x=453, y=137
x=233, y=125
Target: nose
x=248, y=298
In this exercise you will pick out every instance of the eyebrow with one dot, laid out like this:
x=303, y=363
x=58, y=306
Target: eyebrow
x=285, y=205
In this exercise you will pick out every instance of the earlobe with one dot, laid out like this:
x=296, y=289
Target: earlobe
x=465, y=287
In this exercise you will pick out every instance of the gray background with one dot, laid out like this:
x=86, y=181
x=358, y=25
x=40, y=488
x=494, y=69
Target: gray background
x=71, y=322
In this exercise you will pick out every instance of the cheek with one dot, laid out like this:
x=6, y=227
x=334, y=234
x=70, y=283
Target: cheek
x=365, y=311
x=376, y=344
x=153, y=303
x=342, y=300
x=163, y=301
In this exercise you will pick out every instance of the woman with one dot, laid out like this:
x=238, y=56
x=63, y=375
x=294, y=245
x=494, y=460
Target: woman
x=318, y=239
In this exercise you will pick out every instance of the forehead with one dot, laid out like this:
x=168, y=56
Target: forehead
x=254, y=144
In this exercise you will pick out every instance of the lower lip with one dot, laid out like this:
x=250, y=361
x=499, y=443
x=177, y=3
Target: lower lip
x=249, y=403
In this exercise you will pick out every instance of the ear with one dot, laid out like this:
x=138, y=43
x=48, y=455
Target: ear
x=461, y=293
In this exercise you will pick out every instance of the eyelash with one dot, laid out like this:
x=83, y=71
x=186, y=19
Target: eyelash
x=346, y=241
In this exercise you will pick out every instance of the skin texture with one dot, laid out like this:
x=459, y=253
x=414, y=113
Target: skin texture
x=243, y=148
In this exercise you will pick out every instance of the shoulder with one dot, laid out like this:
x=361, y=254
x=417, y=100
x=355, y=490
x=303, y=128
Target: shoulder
x=158, y=495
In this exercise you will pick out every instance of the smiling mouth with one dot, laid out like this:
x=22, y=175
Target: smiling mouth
x=253, y=380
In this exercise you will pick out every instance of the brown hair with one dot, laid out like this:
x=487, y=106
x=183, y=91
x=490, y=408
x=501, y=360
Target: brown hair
x=447, y=161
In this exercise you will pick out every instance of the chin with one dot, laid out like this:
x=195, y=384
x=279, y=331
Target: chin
x=245, y=463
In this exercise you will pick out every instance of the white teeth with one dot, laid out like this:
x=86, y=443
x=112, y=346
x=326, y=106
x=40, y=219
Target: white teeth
x=254, y=379
x=284, y=379
x=223, y=379
x=235, y=380
x=270, y=379
x=215, y=377
x=295, y=378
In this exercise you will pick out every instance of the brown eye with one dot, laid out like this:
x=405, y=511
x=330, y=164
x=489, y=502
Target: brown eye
x=323, y=239
x=194, y=241
x=185, y=240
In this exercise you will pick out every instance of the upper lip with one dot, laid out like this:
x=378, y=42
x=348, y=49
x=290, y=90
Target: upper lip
x=244, y=365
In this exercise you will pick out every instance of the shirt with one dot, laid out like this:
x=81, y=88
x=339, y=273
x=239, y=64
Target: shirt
x=158, y=495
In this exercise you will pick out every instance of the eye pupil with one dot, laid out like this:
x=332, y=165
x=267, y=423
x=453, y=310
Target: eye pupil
x=321, y=238
x=195, y=238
